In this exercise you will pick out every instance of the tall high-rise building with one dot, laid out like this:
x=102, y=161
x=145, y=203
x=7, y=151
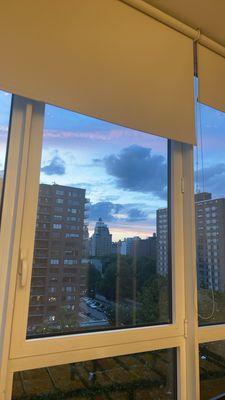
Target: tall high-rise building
x=162, y=241
x=101, y=240
x=59, y=275
x=210, y=241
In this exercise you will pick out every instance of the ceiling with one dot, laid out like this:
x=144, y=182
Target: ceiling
x=208, y=15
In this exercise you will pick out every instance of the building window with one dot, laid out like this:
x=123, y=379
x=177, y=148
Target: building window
x=59, y=192
x=59, y=201
x=54, y=261
x=57, y=217
x=57, y=226
x=72, y=210
x=58, y=209
x=72, y=235
x=70, y=262
x=71, y=218
x=52, y=289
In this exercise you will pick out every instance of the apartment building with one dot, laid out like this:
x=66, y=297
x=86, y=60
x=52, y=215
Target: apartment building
x=59, y=275
x=162, y=241
x=210, y=241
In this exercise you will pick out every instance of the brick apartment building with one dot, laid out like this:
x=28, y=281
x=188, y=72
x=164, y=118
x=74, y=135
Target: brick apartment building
x=59, y=274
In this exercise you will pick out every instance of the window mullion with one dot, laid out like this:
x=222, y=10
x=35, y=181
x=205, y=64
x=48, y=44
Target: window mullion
x=20, y=129
x=192, y=354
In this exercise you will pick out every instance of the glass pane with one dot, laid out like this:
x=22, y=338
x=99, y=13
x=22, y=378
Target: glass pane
x=101, y=251
x=144, y=376
x=5, y=108
x=212, y=370
x=210, y=214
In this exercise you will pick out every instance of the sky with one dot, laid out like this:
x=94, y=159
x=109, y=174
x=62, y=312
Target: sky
x=123, y=171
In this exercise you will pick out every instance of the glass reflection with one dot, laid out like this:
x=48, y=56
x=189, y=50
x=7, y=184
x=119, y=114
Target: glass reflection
x=210, y=215
x=212, y=370
x=101, y=245
x=144, y=376
x=5, y=109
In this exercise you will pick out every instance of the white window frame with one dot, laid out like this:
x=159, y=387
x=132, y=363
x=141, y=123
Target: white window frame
x=17, y=240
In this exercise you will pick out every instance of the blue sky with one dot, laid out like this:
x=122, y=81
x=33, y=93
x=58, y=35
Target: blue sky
x=123, y=171
x=210, y=152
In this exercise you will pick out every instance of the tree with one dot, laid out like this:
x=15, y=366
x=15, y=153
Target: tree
x=154, y=301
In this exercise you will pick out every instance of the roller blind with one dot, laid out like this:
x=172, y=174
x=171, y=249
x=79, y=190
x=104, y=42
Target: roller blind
x=211, y=72
x=101, y=58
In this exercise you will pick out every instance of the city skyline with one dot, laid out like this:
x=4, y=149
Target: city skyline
x=105, y=167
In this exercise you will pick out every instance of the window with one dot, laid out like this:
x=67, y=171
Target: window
x=59, y=192
x=70, y=262
x=72, y=210
x=52, y=289
x=212, y=372
x=210, y=196
x=5, y=108
x=58, y=209
x=57, y=226
x=70, y=298
x=54, y=261
x=57, y=217
x=109, y=286
x=68, y=289
x=55, y=235
x=72, y=235
x=71, y=218
x=140, y=376
x=59, y=201
x=122, y=250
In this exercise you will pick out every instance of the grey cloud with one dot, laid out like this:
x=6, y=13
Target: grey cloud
x=137, y=169
x=82, y=185
x=137, y=215
x=97, y=161
x=112, y=197
x=108, y=212
x=214, y=179
x=55, y=167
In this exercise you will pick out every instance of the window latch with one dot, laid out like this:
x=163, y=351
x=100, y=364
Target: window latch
x=182, y=184
x=185, y=328
x=23, y=270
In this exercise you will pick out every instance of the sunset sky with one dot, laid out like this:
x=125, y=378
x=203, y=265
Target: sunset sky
x=123, y=171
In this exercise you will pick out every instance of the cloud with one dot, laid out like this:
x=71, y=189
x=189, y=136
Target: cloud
x=97, y=161
x=105, y=209
x=137, y=169
x=214, y=178
x=111, y=197
x=55, y=167
x=114, y=212
x=134, y=214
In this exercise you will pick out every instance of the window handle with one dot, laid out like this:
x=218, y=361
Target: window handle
x=23, y=271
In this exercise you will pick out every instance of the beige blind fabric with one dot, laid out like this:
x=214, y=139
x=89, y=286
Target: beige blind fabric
x=101, y=58
x=211, y=72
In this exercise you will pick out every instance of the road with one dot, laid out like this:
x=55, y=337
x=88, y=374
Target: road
x=87, y=314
